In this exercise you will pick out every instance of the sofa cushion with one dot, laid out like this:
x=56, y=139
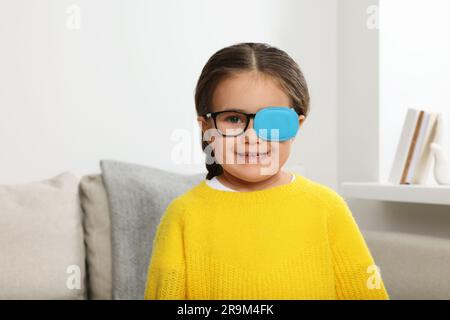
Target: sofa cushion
x=138, y=196
x=42, y=253
x=411, y=266
x=97, y=234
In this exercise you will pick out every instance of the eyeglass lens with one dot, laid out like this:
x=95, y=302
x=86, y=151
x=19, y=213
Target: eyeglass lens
x=231, y=123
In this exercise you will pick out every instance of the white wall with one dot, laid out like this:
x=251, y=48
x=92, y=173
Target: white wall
x=357, y=111
x=414, y=68
x=123, y=83
x=360, y=119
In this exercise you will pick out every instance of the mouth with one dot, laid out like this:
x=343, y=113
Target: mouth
x=253, y=155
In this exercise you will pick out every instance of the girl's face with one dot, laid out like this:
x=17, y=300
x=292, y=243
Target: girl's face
x=249, y=92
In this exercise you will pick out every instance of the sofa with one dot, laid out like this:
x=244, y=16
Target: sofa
x=91, y=238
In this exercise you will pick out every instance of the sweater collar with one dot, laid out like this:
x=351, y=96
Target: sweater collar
x=286, y=190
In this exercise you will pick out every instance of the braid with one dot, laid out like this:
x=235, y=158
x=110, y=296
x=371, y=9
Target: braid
x=214, y=169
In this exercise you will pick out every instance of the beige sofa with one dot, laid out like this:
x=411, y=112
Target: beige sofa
x=55, y=243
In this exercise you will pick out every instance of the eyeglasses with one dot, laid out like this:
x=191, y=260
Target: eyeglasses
x=232, y=123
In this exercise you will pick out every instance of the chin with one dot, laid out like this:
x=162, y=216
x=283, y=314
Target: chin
x=249, y=172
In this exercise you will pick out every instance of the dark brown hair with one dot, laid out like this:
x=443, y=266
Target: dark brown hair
x=249, y=56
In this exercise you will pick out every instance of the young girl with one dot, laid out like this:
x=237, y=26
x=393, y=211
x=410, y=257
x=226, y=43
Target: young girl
x=252, y=230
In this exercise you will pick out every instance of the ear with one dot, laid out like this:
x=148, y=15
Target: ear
x=202, y=123
x=301, y=120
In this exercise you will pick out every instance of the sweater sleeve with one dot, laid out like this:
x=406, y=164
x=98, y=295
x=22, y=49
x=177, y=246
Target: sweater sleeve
x=166, y=272
x=356, y=275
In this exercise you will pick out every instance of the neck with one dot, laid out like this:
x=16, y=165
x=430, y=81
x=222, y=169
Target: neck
x=238, y=184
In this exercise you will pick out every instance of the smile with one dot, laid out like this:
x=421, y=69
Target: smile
x=253, y=155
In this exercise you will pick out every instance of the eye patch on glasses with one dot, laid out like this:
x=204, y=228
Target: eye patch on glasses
x=271, y=123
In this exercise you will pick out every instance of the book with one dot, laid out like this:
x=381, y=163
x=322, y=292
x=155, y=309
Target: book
x=412, y=161
x=418, y=148
x=403, y=146
x=412, y=147
x=424, y=164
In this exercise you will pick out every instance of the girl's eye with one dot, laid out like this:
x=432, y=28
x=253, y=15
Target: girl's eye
x=233, y=119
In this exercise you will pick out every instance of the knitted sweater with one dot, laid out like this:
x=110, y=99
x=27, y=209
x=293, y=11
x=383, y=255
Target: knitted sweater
x=294, y=241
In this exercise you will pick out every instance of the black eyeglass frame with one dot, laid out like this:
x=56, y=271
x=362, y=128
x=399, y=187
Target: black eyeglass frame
x=248, y=116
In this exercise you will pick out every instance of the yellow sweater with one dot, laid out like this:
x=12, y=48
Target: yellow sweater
x=294, y=241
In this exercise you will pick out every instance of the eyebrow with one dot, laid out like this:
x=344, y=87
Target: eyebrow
x=235, y=109
x=241, y=110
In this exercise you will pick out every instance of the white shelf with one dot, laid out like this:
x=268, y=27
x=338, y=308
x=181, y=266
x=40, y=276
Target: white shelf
x=429, y=194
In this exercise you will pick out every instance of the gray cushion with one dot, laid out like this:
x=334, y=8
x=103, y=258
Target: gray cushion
x=138, y=196
x=42, y=253
x=411, y=266
x=97, y=235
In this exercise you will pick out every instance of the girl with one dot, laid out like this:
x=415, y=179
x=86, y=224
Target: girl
x=252, y=230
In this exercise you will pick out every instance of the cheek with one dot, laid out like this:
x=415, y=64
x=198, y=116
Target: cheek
x=223, y=149
x=280, y=150
x=284, y=147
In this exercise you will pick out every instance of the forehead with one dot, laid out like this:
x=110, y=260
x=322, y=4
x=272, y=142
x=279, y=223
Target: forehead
x=249, y=91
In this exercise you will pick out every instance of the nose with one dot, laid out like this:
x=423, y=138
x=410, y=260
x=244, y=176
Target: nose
x=250, y=134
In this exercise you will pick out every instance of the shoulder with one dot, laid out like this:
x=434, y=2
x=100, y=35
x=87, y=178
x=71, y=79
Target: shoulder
x=181, y=204
x=325, y=195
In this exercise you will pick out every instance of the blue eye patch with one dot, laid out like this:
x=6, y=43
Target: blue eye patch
x=276, y=123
